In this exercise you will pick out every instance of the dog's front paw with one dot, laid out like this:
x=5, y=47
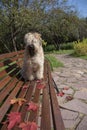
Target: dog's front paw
x=31, y=78
x=39, y=76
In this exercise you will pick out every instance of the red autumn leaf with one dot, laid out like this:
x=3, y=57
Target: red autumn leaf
x=38, y=81
x=25, y=87
x=20, y=101
x=60, y=94
x=13, y=119
x=33, y=126
x=65, y=88
x=32, y=106
x=40, y=86
x=69, y=98
x=28, y=126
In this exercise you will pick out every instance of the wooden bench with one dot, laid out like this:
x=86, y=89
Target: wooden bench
x=48, y=116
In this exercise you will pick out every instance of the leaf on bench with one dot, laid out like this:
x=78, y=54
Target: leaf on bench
x=28, y=126
x=32, y=106
x=13, y=119
x=40, y=86
x=25, y=87
x=20, y=101
x=38, y=81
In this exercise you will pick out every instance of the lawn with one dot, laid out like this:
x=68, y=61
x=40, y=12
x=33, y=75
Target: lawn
x=53, y=61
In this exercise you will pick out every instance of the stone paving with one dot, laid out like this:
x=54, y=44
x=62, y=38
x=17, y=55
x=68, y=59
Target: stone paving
x=72, y=81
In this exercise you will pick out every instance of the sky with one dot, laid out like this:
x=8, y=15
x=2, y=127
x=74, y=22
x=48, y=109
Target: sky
x=81, y=6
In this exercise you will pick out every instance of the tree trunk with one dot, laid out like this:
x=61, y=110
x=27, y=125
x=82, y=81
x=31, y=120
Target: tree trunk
x=14, y=44
x=13, y=39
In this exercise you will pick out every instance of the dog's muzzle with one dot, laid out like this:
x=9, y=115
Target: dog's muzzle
x=31, y=50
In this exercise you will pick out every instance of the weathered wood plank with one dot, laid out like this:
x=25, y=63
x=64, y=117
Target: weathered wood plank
x=4, y=108
x=57, y=118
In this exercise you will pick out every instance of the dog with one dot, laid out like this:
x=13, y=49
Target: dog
x=33, y=64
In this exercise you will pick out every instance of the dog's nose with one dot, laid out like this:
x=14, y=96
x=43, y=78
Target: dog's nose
x=31, y=46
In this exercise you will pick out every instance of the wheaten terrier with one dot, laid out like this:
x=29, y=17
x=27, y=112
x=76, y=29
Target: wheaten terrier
x=33, y=65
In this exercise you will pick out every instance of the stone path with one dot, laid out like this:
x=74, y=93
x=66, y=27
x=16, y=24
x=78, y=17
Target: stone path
x=72, y=81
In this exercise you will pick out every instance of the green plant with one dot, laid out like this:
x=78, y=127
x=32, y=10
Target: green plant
x=53, y=61
x=80, y=48
x=49, y=48
x=44, y=43
x=67, y=46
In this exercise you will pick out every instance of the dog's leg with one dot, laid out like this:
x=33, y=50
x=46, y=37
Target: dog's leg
x=39, y=73
x=31, y=77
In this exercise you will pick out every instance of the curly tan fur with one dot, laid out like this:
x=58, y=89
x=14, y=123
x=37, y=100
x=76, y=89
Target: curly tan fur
x=33, y=65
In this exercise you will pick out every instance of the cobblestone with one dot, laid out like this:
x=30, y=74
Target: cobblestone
x=74, y=76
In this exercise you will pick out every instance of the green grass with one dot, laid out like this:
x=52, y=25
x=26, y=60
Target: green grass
x=63, y=52
x=60, y=52
x=53, y=61
x=82, y=57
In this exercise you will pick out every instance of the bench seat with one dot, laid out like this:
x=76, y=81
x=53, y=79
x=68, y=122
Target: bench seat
x=48, y=116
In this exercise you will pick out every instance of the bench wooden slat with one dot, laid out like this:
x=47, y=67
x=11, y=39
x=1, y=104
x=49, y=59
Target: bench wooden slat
x=46, y=119
x=57, y=119
x=16, y=107
x=7, y=104
x=33, y=115
x=4, y=82
x=3, y=73
x=7, y=55
x=7, y=90
x=28, y=98
x=12, y=73
x=48, y=115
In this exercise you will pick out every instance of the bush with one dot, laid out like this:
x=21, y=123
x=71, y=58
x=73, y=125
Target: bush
x=80, y=48
x=53, y=61
x=49, y=48
x=67, y=46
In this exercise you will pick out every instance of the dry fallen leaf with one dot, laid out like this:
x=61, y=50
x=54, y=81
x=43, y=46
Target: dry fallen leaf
x=20, y=101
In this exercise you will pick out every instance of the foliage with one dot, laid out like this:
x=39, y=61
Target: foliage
x=32, y=106
x=53, y=61
x=80, y=48
x=57, y=22
x=67, y=46
x=13, y=119
x=28, y=126
x=44, y=43
x=49, y=48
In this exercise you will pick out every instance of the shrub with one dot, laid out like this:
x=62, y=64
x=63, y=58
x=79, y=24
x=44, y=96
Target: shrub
x=53, y=61
x=67, y=46
x=49, y=48
x=80, y=48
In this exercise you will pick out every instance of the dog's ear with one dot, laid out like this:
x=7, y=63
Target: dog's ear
x=37, y=35
x=26, y=37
